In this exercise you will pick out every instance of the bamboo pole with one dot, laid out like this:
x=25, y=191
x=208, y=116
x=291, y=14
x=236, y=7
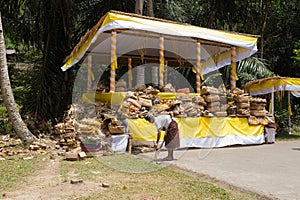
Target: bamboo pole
x=289, y=113
x=198, y=67
x=271, y=107
x=89, y=74
x=166, y=73
x=161, y=61
x=130, y=73
x=113, y=60
x=233, y=76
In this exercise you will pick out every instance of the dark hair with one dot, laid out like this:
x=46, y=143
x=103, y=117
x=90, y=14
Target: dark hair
x=148, y=117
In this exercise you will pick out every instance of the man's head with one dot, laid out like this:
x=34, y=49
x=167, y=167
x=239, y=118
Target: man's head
x=149, y=117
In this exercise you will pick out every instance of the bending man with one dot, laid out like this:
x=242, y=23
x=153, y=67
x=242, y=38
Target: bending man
x=171, y=138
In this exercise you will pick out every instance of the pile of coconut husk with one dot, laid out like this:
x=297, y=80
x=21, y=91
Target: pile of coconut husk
x=258, y=107
x=238, y=103
x=71, y=133
x=213, y=102
x=11, y=146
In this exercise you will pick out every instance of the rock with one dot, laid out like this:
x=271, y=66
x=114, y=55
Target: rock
x=71, y=156
x=105, y=185
x=76, y=181
x=82, y=154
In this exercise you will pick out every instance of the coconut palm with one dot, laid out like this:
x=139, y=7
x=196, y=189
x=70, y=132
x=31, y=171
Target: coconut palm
x=8, y=97
x=249, y=69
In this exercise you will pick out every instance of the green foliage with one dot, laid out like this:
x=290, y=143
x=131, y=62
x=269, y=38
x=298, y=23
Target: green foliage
x=249, y=69
x=5, y=126
x=252, y=68
x=281, y=117
x=296, y=51
x=44, y=32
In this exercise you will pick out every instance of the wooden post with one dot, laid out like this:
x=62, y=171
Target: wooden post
x=130, y=73
x=161, y=61
x=233, y=76
x=129, y=146
x=113, y=59
x=198, y=67
x=89, y=74
x=166, y=73
x=289, y=112
x=272, y=104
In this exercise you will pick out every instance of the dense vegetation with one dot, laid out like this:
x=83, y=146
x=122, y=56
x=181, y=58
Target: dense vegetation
x=43, y=33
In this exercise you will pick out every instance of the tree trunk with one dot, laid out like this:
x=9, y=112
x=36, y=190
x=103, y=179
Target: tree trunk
x=150, y=8
x=7, y=95
x=139, y=4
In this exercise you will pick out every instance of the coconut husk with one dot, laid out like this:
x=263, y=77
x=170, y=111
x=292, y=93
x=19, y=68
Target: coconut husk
x=145, y=102
x=220, y=114
x=258, y=106
x=211, y=98
x=213, y=104
x=243, y=105
x=258, y=113
x=209, y=90
x=258, y=100
x=213, y=109
x=241, y=99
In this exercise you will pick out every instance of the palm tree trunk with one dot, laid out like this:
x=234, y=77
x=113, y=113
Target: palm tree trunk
x=7, y=95
x=139, y=4
x=150, y=11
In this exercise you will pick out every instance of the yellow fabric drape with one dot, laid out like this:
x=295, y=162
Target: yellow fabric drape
x=198, y=128
x=290, y=110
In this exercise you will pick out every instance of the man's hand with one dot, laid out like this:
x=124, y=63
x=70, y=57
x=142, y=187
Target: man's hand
x=155, y=146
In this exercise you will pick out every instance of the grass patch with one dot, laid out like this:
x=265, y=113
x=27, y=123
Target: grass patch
x=132, y=178
x=284, y=135
x=12, y=172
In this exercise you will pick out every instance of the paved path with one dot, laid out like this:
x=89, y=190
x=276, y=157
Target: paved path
x=269, y=169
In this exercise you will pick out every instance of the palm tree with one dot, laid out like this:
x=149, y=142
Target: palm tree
x=249, y=69
x=7, y=95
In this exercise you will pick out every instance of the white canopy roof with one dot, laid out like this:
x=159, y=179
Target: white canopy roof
x=139, y=36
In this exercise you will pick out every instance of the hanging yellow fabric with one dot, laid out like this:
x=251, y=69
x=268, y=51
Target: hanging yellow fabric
x=270, y=106
x=290, y=110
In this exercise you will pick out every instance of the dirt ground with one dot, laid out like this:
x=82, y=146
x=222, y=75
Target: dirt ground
x=47, y=183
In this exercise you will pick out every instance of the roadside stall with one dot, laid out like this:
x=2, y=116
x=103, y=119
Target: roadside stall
x=139, y=55
x=275, y=85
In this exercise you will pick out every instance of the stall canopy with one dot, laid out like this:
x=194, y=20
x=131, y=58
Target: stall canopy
x=273, y=84
x=135, y=32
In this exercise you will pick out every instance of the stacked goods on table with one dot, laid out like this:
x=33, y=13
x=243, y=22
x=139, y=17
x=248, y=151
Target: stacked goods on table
x=258, y=107
x=238, y=103
x=215, y=100
x=242, y=105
